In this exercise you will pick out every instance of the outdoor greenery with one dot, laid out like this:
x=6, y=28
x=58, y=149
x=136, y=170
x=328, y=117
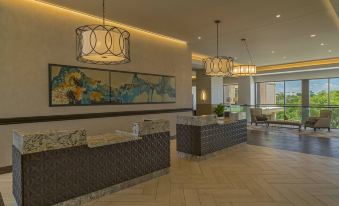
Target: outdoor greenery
x=284, y=98
x=317, y=100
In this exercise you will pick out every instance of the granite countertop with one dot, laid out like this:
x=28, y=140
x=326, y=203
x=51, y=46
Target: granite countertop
x=197, y=120
x=31, y=142
x=49, y=140
x=110, y=138
x=226, y=121
x=203, y=120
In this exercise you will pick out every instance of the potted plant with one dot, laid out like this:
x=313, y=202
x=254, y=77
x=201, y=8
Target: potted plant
x=219, y=111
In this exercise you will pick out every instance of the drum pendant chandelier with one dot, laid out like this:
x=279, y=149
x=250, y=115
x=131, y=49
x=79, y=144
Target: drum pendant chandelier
x=102, y=44
x=247, y=69
x=218, y=66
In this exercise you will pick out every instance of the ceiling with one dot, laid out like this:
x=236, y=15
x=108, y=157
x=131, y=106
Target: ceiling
x=255, y=20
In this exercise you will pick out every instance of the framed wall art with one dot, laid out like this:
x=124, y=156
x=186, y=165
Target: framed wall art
x=73, y=85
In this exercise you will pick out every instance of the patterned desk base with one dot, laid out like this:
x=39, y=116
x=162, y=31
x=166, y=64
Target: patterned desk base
x=202, y=140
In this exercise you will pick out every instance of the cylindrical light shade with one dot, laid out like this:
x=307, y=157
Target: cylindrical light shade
x=102, y=44
x=244, y=70
x=218, y=66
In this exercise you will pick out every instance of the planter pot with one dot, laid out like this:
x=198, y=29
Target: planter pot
x=220, y=120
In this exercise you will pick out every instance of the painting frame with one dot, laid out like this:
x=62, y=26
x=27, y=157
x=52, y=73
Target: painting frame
x=50, y=89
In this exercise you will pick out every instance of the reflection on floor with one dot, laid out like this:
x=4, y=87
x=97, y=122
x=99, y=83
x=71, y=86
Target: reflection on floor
x=245, y=175
x=320, y=142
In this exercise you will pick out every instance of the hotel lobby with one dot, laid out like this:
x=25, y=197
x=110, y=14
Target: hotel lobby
x=169, y=103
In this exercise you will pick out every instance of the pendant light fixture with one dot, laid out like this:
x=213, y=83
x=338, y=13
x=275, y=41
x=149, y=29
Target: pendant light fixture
x=219, y=65
x=245, y=69
x=102, y=44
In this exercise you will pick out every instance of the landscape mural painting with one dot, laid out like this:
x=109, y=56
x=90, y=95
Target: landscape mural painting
x=78, y=86
x=132, y=88
x=72, y=85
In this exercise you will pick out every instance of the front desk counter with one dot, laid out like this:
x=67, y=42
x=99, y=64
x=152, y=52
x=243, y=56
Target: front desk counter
x=202, y=135
x=70, y=168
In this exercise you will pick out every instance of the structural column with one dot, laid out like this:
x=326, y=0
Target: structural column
x=305, y=100
x=246, y=90
x=209, y=92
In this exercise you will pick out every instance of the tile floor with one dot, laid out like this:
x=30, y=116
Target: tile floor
x=245, y=175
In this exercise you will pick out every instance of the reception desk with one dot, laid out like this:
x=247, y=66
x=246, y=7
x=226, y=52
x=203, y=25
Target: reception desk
x=202, y=135
x=70, y=168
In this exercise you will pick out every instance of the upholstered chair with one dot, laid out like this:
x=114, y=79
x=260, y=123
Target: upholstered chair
x=323, y=121
x=257, y=116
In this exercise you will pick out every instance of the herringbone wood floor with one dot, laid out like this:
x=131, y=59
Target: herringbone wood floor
x=245, y=175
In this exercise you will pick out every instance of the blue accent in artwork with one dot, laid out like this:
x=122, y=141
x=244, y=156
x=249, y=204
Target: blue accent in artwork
x=70, y=85
x=77, y=88
x=128, y=92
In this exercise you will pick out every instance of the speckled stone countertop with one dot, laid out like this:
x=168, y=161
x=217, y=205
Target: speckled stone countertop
x=203, y=120
x=110, y=138
x=226, y=121
x=151, y=127
x=197, y=120
x=51, y=140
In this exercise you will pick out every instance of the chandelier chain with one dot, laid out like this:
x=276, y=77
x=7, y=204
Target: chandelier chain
x=103, y=12
x=217, y=38
x=248, y=50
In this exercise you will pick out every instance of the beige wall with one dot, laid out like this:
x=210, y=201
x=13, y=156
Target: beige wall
x=245, y=89
x=34, y=35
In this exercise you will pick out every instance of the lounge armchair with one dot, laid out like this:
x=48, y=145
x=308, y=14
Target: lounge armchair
x=257, y=116
x=323, y=121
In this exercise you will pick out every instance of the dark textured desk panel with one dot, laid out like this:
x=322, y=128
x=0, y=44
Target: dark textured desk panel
x=202, y=140
x=50, y=177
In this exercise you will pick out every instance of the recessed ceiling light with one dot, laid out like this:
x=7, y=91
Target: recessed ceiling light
x=330, y=50
x=273, y=52
x=235, y=58
x=199, y=37
x=322, y=44
x=284, y=57
x=278, y=15
x=313, y=35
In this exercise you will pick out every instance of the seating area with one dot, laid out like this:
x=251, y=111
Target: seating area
x=169, y=103
x=323, y=121
x=284, y=122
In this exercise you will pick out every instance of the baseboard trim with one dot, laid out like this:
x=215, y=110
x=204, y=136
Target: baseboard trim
x=4, y=170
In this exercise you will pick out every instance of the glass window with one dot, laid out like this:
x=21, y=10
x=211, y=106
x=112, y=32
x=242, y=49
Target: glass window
x=293, y=113
x=318, y=92
x=293, y=97
x=293, y=92
x=270, y=93
x=231, y=94
x=334, y=91
x=283, y=100
x=319, y=95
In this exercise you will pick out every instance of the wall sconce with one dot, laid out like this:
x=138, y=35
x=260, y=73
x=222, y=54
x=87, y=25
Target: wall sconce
x=203, y=95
